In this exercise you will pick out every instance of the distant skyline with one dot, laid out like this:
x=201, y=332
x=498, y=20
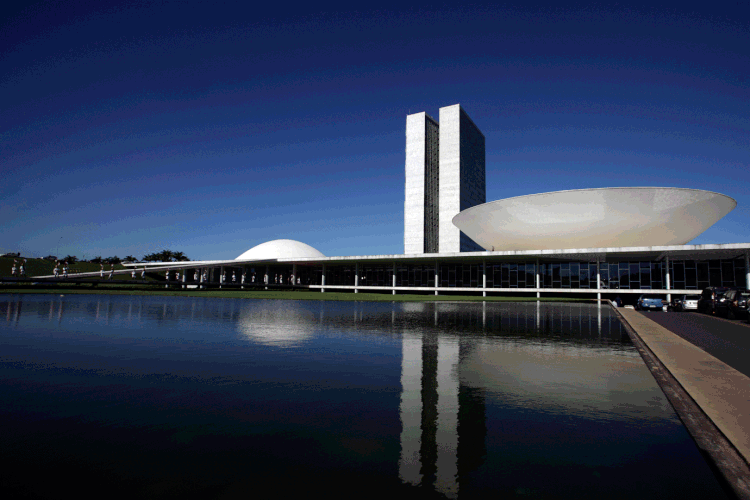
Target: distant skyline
x=129, y=128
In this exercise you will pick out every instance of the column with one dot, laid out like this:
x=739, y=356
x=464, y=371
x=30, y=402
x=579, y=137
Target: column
x=747, y=270
x=394, y=277
x=598, y=281
x=669, y=285
x=221, y=277
x=323, y=279
x=436, y=277
x=538, y=279
x=267, y=277
x=356, y=277
x=484, y=277
x=184, y=274
x=294, y=273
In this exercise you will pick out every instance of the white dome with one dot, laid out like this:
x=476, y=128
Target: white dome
x=280, y=249
x=594, y=218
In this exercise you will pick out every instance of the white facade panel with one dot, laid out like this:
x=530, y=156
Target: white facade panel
x=414, y=184
x=450, y=177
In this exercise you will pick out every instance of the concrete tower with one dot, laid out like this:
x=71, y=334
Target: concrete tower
x=421, y=216
x=462, y=176
x=445, y=173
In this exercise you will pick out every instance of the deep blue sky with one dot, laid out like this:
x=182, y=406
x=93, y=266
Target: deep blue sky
x=212, y=127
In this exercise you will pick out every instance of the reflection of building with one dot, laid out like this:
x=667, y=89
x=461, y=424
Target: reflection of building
x=443, y=423
x=446, y=376
x=612, y=241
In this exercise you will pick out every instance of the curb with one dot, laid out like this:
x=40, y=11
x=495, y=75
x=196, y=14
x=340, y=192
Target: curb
x=728, y=465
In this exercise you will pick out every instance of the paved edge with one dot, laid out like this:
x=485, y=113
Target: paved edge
x=698, y=414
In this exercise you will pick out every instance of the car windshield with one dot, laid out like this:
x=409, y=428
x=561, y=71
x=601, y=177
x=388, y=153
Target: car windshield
x=692, y=297
x=651, y=297
x=744, y=295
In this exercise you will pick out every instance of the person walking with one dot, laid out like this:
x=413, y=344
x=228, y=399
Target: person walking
x=13, y=269
x=143, y=274
x=195, y=276
x=23, y=269
x=243, y=278
x=56, y=271
x=234, y=277
x=177, y=276
x=111, y=272
x=65, y=270
x=101, y=271
x=132, y=274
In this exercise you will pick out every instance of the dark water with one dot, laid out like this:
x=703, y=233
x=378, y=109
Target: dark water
x=224, y=398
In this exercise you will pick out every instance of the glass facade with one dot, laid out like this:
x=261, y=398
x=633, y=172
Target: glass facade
x=648, y=275
x=419, y=275
x=697, y=275
x=431, y=186
x=623, y=275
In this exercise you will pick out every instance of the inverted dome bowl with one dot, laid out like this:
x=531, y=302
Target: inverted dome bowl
x=594, y=218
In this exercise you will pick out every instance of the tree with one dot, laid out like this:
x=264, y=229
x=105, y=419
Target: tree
x=113, y=260
x=97, y=260
x=165, y=256
x=130, y=258
x=70, y=259
x=179, y=256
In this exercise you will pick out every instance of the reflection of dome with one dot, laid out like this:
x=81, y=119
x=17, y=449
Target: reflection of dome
x=285, y=325
x=594, y=218
x=280, y=249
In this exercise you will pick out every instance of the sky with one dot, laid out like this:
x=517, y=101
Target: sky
x=131, y=127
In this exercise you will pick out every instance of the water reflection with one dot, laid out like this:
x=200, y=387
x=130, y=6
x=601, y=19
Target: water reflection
x=462, y=400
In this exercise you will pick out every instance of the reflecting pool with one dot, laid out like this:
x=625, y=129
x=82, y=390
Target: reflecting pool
x=165, y=397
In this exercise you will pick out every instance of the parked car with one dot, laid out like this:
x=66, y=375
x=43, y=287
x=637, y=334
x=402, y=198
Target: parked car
x=647, y=302
x=734, y=304
x=681, y=303
x=709, y=298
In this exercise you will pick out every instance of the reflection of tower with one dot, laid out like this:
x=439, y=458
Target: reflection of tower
x=443, y=427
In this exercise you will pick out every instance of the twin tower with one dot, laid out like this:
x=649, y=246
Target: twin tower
x=445, y=174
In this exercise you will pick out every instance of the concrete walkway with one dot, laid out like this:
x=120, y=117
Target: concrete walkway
x=720, y=392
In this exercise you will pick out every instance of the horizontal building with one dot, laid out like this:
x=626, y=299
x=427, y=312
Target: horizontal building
x=677, y=269
x=607, y=241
